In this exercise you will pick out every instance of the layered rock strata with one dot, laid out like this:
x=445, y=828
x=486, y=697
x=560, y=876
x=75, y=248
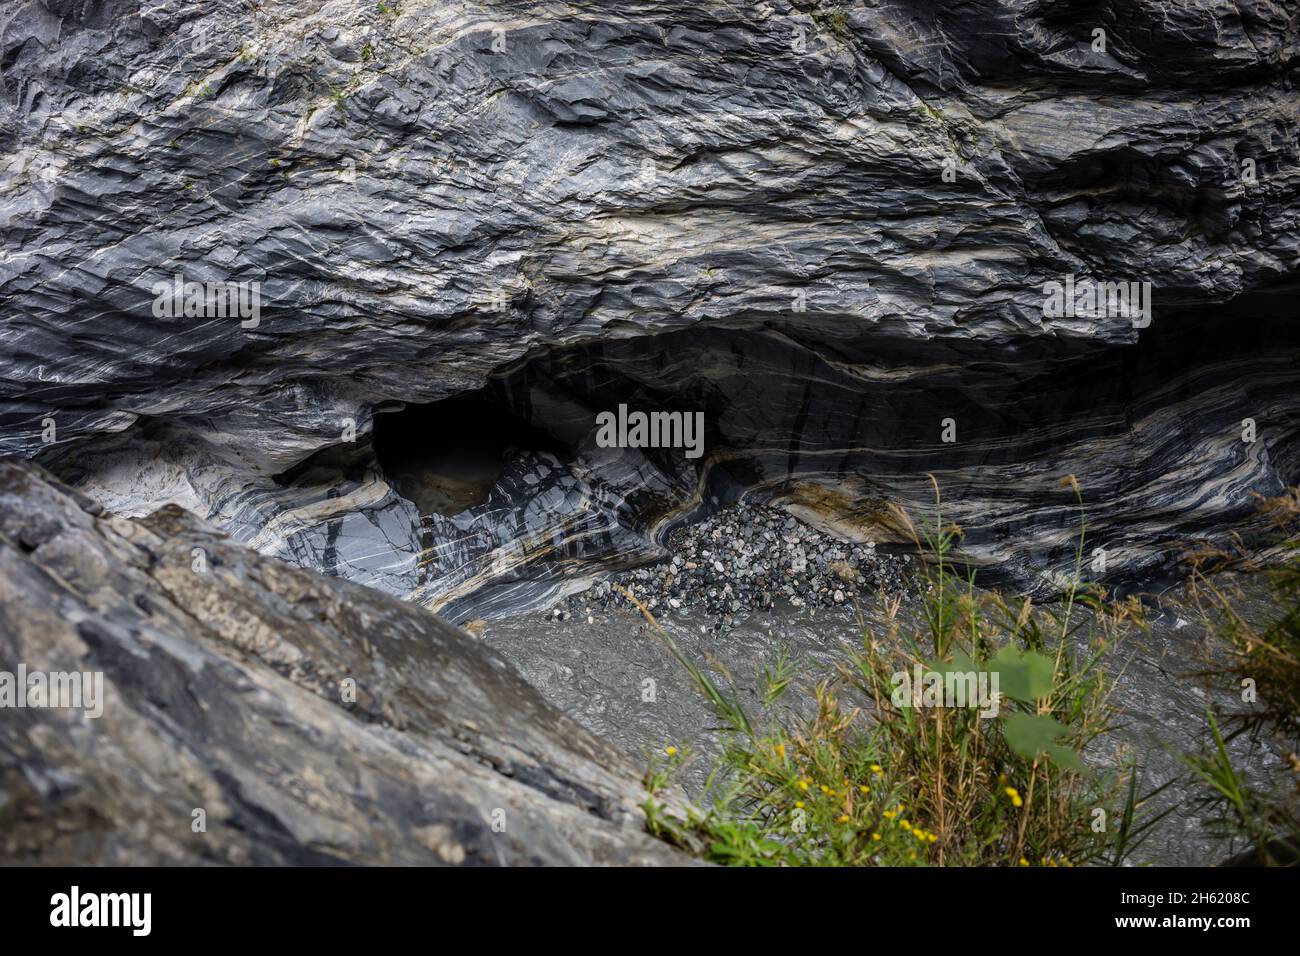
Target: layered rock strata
x=827, y=226
x=251, y=712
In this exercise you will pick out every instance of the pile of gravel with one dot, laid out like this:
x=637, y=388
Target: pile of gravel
x=750, y=557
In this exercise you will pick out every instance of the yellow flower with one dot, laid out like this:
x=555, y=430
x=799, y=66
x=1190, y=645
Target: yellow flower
x=862, y=788
x=799, y=804
x=803, y=784
x=671, y=751
x=1023, y=861
x=875, y=768
x=875, y=836
x=904, y=824
x=843, y=818
x=1014, y=794
x=890, y=814
x=780, y=751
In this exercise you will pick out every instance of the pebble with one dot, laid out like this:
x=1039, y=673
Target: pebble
x=746, y=557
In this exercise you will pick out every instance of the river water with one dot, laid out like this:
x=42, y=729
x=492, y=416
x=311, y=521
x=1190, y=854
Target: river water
x=598, y=672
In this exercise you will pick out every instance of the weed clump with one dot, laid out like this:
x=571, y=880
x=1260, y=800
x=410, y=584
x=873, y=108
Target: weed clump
x=905, y=775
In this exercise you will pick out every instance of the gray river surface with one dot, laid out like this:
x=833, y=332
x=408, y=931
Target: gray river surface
x=597, y=673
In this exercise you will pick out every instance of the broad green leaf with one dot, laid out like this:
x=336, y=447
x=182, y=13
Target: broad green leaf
x=1024, y=677
x=1031, y=734
x=1066, y=758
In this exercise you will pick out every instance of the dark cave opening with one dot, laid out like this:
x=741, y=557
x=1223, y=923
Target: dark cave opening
x=446, y=456
x=778, y=415
x=782, y=422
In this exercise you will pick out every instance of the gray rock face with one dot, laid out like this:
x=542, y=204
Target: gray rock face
x=827, y=226
x=223, y=693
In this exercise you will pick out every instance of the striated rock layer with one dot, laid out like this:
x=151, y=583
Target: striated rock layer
x=827, y=226
x=225, y=733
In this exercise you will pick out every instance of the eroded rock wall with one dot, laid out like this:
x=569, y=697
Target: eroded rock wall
x=827, y=224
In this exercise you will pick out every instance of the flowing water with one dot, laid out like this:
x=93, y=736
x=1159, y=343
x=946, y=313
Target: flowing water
x=598, y=673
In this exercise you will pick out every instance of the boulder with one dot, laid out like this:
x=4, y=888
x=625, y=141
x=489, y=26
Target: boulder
x=258, y=713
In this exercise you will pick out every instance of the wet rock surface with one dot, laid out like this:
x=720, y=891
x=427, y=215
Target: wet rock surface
x=224, y=692
x=826, y=227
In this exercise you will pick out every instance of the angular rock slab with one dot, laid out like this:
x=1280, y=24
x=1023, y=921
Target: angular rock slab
x=223, y=693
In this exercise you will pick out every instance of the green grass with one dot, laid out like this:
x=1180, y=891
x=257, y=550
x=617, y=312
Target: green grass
x=1263, y=668
x=888, y=783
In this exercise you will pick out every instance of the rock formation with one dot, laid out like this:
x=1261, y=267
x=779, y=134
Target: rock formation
x=828, y=226
x=253, y=712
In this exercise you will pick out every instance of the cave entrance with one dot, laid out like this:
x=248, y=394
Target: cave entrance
x=446, y=456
